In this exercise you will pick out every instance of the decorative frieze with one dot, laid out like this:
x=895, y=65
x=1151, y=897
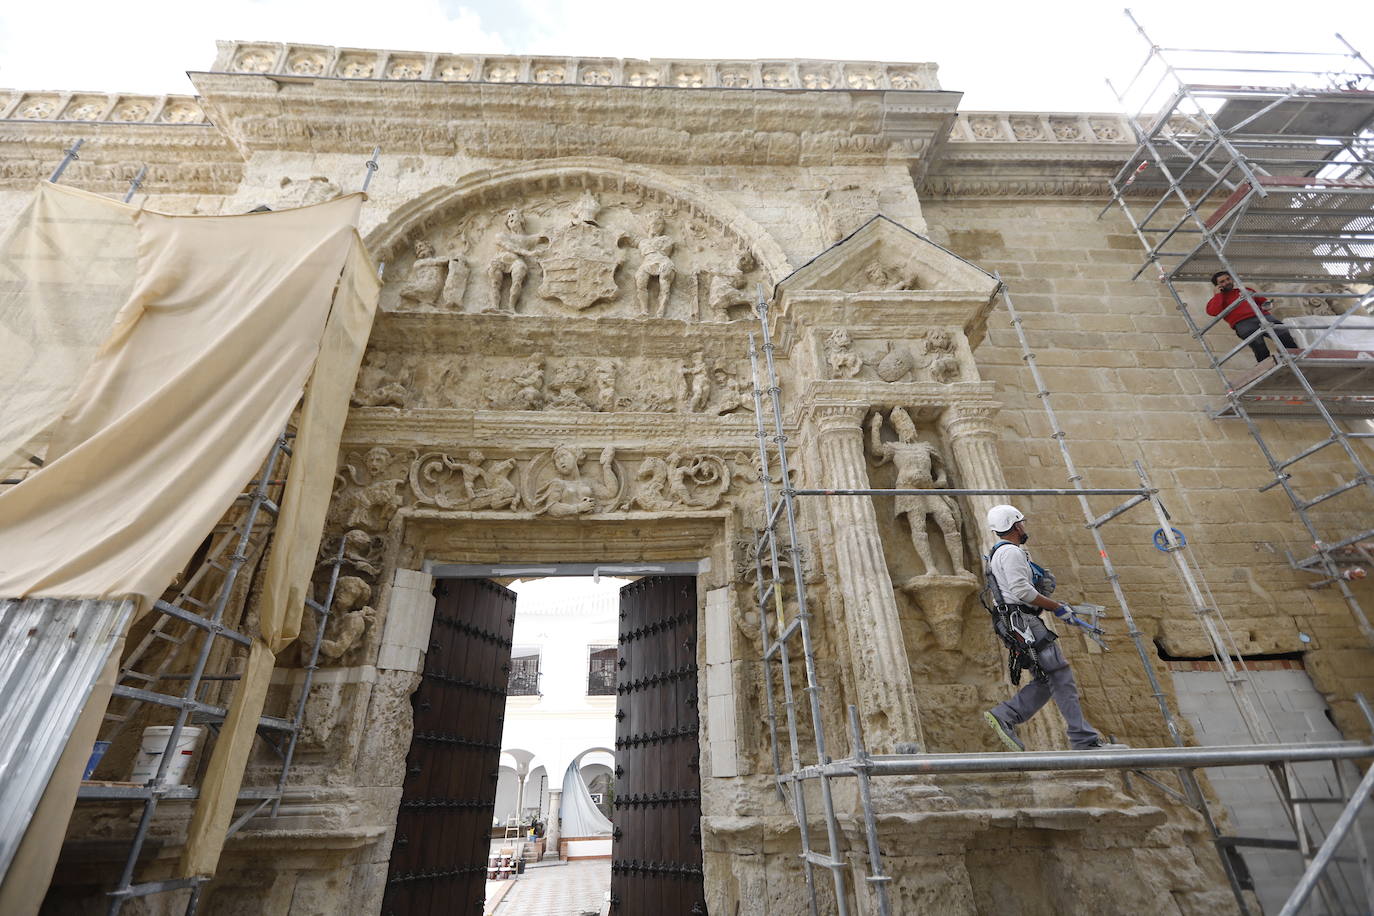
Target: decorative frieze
x=113, y=108
x=290, y=60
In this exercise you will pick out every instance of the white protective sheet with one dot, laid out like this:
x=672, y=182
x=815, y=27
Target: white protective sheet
x=580, y=817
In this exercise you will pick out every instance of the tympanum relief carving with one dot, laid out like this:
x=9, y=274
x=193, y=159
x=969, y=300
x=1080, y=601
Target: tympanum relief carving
x=592, y=252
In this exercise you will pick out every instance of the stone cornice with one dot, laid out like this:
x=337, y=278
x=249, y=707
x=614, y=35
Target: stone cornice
x=298, y=60
x=490, y=335
x=521, y=121
x=1030, y=154
x=99, y=107
x=181, y=158
x=541, y=429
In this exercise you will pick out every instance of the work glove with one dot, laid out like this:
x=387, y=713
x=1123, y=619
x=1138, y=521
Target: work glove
x=1066, y=613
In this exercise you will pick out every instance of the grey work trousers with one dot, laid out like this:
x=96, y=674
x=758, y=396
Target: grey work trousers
x=1062, y=687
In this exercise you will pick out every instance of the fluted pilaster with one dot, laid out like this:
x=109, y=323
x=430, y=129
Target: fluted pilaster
x=872, y=622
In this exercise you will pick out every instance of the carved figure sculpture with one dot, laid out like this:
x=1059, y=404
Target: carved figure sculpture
x=919, y=467
x=840, y=355
x=651, y=485
x=566, y=383
x=512, y=247
x=944, y=365
x=426, y=278
x=696, y=384
x=604, y=379
x=362, y=551
x=369, y=505
x=568, y=493
x=655, y=249
x=529, y=391
x=681, y=483
x=490, y=487
x=348, y=621
x=727, y=287
x=378, y=388
x=582, y=258
x=730, y=393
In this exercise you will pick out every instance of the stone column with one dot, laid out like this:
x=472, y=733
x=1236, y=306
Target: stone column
x=878, y=656
x=972, y=438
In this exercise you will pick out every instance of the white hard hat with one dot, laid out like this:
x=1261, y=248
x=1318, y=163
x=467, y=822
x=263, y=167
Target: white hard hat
x=1002, y=518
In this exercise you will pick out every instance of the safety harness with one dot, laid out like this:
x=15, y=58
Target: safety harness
x=1012, y=622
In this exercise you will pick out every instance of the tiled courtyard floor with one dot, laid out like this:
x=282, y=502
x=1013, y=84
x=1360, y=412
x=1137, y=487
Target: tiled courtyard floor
x=574, y=889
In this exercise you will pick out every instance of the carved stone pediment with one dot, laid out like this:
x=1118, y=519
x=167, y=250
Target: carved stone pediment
x=884, y=256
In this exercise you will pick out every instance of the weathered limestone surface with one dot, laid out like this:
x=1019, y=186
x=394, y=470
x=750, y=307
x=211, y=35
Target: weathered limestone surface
x=559, y=373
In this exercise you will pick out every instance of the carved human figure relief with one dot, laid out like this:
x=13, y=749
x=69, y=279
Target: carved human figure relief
x=567, y=381
x=840, y=356
x=582, y=258
x=728, y=393
x=349, y=619
x=513, y=246
x=696, y=384
x=919, y=467
x=454, y=483
x=378, y=387
x=566, y=492
x=656, y=264
x=603, y=379
x=727, y=287
x=943, y=363
x=529, y=385
x=425, y=281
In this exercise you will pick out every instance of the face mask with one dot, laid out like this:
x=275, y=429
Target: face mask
x=1025, y=536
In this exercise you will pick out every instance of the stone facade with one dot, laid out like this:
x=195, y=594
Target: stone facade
x=559, y=374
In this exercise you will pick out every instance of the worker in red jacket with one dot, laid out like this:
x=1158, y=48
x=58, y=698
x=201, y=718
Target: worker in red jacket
x=1242, y=318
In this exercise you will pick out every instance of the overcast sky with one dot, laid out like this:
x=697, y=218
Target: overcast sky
x=1027, y=55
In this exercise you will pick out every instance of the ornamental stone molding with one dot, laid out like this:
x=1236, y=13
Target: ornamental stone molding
x=292, y=60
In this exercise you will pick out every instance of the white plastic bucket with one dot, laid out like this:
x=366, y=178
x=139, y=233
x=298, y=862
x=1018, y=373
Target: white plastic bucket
x=150, y=754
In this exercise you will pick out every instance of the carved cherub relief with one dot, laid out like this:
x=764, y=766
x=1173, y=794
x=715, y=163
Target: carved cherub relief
x=941, y=359
x=696, y=387
x=694, y=482
x=919, y=466
x=367, y=500
x=840, y=356
x=567, y=381
x=729, y=393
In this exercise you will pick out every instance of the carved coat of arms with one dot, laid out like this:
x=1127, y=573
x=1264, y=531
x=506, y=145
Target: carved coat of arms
x=580, y=263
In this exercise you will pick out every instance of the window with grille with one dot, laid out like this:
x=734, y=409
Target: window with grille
x=601, y=671
x=524, y=672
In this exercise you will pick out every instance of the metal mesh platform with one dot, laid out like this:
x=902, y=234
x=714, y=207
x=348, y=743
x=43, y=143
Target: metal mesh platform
x=1299, y=229
x=1343, y=380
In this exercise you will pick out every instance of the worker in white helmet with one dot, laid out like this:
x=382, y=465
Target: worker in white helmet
x=1017, y=604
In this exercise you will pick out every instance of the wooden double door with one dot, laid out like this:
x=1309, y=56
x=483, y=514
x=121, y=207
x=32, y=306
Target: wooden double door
x=439, y=854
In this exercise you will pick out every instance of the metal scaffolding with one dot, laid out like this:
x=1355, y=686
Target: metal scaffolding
x=782, y=635
x=189, y=653
x=1261, y=164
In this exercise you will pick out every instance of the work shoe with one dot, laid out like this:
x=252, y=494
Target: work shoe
x=1105, y=746
x=1004, y=731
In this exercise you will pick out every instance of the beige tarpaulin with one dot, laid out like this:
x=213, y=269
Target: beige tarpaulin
x=309, y=485
x=196, y=370
x=178, y=408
